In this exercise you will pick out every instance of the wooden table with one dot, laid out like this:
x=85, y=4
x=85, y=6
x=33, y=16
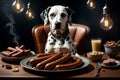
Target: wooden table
x=87, y=72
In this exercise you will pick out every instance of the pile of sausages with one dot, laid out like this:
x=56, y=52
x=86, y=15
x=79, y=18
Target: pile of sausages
x=18, y=51
x=55, y=61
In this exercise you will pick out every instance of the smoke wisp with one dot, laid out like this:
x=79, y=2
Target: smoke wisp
x=11, y=24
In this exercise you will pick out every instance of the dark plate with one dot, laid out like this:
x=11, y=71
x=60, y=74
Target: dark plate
x=111, y=66
x=15, y=59
x=25, y=64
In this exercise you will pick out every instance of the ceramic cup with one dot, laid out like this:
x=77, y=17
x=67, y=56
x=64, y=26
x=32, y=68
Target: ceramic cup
x=112, y=51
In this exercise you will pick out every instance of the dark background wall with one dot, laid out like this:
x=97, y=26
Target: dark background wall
x=22, y=27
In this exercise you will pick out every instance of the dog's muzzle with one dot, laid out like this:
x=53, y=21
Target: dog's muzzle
x=57, y=25
x=57, y=28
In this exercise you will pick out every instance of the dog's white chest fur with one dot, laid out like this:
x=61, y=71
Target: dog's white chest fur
x=60, y=44
x=56, y=44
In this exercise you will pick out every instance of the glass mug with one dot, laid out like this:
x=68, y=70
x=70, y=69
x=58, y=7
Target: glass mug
x=96, y=44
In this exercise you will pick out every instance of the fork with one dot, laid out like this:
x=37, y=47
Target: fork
x=97, y=69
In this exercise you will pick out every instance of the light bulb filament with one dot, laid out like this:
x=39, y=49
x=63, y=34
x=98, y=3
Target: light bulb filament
x=91, y=4
x=106, y=23
x=18, y=6
x=30, y=14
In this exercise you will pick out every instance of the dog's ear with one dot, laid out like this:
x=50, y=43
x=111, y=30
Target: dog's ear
x=70, y=12
x=44, y=15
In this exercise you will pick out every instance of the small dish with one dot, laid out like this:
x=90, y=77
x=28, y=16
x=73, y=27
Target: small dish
x=95, y=56
x=111, y=66
x=15, y=59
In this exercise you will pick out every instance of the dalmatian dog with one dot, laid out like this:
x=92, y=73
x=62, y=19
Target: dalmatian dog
x=58, y=17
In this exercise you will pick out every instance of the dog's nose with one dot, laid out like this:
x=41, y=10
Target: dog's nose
x=58, y=24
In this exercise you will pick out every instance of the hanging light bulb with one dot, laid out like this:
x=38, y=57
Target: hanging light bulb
x=29, y=13
x=91, y=4
x=106, y=22
x=18, y=6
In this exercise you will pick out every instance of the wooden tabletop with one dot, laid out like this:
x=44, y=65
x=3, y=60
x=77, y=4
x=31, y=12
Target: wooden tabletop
x=87, y=72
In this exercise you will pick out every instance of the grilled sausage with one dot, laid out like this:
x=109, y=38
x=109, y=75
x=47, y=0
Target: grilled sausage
x=36, y=60
x=5, y=53
x=54, y=57
x=18, y=48
x=8, y=53
x=11, y=53
x=11, y=49
x=22, y=47
x=18, y=54
x=77, y=62
x=52, y=64
x=27, y=51
x=43, y=54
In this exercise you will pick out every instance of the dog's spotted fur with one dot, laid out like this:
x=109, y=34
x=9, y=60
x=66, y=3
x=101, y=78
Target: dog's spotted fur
x=59, y=36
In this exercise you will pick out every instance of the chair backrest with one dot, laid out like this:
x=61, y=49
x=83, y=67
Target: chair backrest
x=78, y=32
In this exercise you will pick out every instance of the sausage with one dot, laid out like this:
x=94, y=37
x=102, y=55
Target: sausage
x=27, y=51
x=43, y=54
x=61, y=60
x=11, y=49
x=5, y=53
x=43, y=63
x=8, y=53
x=36, y=60
x=18, y=54
x=22, y=47
x=77, y=62
x=11, y=53
x=18, y=49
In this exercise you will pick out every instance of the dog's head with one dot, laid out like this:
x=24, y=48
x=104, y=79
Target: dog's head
x=58, y=16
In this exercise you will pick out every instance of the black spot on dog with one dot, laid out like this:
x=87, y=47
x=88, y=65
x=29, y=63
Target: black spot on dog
x=51, y=43
x=54, y=40
x=70, y=42
x=52, y=37
x=67, y=38
x=72, y=50
x=49, y=40
x=45, y=49
x=62, y=41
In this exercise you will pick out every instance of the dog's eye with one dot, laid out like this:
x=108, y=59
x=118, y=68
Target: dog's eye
x=63, y=15
x=52, y=15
